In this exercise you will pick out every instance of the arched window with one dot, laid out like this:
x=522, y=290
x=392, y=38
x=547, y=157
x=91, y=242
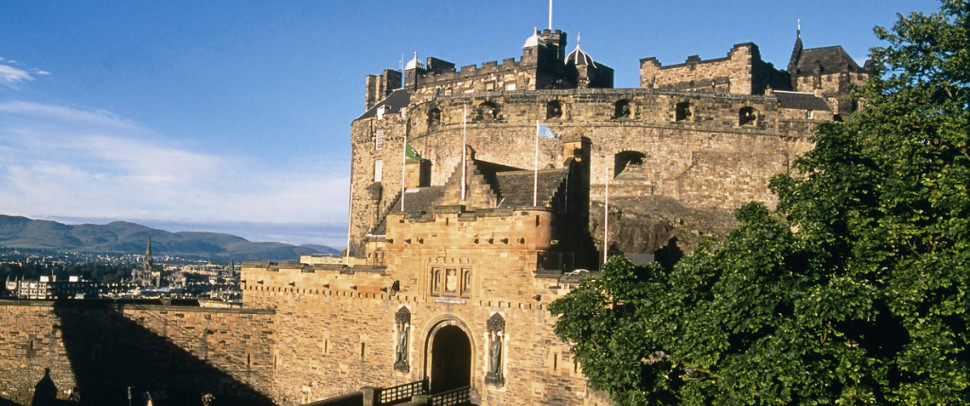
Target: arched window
x=434, y=117
x=622, y=109
x=487, y=111
x=627, y=160
x=747, y=116
x=553, y=110
x=682, y=111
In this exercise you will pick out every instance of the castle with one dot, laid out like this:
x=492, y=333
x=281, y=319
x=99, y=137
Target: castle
x=466, y=224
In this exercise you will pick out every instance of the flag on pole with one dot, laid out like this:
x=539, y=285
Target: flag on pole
x=411, y=153
x=546, y=132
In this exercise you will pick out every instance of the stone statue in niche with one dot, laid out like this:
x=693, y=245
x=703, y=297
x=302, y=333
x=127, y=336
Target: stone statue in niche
x=403, y=319
x=495, y=355
x=402, y=346
x=496, y=329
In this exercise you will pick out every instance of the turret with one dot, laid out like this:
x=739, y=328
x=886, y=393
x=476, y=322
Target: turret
x=412, y=70
x=555, y=40
x=380, y=86
x=531, y=48
x=586, y=72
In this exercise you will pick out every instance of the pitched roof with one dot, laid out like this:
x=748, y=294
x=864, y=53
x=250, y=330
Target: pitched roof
x=515, y=188
x=391, y=104
x=801, y=101
x=511, y=187
x=829, y=57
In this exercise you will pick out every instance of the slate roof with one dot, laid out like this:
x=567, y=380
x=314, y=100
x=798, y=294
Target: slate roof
x=801, y=101
x=392, y=104
x=830, y=58
x=417, y=199
x=512, y=186
x=515, y=188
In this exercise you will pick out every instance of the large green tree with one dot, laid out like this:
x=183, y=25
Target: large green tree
x=854, y=292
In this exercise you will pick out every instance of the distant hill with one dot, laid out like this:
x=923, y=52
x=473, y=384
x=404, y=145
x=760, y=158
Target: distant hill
x=121, y=237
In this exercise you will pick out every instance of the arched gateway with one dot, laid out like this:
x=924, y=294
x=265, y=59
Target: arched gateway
x=449, y=352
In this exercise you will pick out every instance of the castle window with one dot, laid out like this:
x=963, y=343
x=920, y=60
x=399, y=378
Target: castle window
x=747, y=116
x=553, y=110
x=434, y=117
x=379, y=139
x=627, y=160
x=621, y=109
x=682, y=111
x=487, y=111
x=378, y=170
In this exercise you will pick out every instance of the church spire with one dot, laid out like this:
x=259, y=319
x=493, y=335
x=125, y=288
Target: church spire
x=147, y=263
x=796, y=54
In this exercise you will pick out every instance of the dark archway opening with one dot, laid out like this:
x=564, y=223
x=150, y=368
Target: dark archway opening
x=451, y=357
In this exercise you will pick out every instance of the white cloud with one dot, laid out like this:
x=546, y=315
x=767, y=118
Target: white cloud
x=58, y=161
x=11, y=76
x=61, y=113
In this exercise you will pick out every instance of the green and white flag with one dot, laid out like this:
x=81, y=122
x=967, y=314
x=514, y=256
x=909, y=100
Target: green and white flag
x=411, y=153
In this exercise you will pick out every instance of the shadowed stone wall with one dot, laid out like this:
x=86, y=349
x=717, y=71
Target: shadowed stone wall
x=103, y=347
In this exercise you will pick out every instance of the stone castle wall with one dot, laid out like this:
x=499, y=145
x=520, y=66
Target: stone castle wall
x=834, y=88
x=709, y=160
x=342, y=335
x=104, y=348
x=741, y=72
x=732, y=74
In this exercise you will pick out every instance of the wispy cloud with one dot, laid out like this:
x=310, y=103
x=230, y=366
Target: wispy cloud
x=58, y=161
x=11, y=76
x=62, y=113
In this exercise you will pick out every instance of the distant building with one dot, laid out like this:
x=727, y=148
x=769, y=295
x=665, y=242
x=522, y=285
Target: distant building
x=48, y=287
x=148, y=275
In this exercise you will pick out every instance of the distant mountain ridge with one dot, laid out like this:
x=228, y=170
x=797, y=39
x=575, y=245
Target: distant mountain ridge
x=122, y=237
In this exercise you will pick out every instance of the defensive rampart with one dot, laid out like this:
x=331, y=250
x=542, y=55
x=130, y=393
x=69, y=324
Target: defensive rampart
x=101, y=348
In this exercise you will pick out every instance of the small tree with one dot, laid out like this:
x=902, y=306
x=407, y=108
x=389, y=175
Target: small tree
x=866, y=303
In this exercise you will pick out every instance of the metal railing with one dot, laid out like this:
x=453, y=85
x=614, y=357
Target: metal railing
x=401, y=393
x=454, y=397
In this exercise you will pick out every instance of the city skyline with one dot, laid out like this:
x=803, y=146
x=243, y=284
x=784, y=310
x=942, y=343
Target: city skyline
x=236, y=118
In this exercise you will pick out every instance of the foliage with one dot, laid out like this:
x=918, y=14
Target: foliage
x=865, y=302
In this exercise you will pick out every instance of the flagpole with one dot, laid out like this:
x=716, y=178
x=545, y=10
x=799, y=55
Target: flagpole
x=606, y=218
x=350, y=220
x=535, y=170
x=404, y=159
x=550, y=15
x=464, y=150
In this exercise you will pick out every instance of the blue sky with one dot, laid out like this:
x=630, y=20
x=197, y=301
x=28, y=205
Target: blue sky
x=235, y=116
